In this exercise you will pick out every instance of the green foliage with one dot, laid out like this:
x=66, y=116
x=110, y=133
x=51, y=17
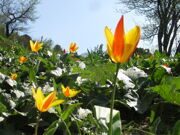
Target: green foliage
x=176, y=129
x=2, y=108
x=158, y=74
x=52, y=128
x=169, y=89
x=150, y=107
x=69, y=111
x=116, y=124
x=103, y=115
x=97, y=73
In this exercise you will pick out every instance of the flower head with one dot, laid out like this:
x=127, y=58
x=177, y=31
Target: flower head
x=69, y=92
x=83, y=113
x=44, y=103
x=35, y=47
x=121, y=46
x=167, y=68
x=73, y=47
x=22, y=59
x=14, y=76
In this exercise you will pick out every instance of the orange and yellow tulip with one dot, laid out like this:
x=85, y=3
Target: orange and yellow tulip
x=44, y=103
x=22, y=59
x=121, y=46
x=13, y=76
x=73, y=47
x=35, y=47
x=69, y=92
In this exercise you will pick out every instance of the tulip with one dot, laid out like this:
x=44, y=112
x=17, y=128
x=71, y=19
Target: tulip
x=73, y=47
x=13, y=76
x=22, y=59
x=69, y=92
x=121, y=46
x=44, y=103
x=35, y=47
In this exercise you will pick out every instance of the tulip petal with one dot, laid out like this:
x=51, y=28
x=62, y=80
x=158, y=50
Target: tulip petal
x=31, y=45
x=39, y=93
x=63, y=88
x=118, y=42
x=48, y=101
x=73, y=47
x=57, y=102
x=40, y=45
x=36, y=46
x=109, y=38
x=73, y=92
x=39, y=97
x=34, y=93
x=131, y=41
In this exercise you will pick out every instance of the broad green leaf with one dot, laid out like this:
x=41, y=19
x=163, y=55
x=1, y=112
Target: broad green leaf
x=116, y=127
x=169, y=89
x=158, y=74
x=103, y=115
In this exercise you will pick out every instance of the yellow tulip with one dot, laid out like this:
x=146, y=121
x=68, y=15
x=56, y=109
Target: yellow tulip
x=73, y=47
x=44, y=103
x=69, y=92
x=35, y=47
x=13, y=76
x=22, y=59
x=121, y=46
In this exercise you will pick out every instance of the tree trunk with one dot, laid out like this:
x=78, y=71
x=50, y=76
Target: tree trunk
x=7, y=30
x=178, y=49
x=160, y=45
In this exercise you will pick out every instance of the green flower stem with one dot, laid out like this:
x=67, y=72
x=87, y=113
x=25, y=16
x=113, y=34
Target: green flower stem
x=78, y=127
x=67, y=128
x=112, y=100
x=37, y=124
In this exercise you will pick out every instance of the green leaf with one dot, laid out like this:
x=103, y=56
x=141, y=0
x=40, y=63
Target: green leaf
x=116, y=128
x=155, y=125
x=169, y=89
x=152, y=116
x=158, y=74
x=2, y=108
x=52, y=128
x=69, y=110
x=176, y=128
x=32, y=75
x=103, y=115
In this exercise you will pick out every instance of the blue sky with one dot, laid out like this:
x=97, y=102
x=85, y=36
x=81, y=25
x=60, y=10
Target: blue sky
x=80, y=21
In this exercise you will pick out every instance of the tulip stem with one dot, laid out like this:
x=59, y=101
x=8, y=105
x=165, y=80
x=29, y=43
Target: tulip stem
x=67, y=128
x=112, y=100
x=37, y=124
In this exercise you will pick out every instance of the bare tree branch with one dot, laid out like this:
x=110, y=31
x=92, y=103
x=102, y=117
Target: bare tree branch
x=15, y=13
x=164, y=16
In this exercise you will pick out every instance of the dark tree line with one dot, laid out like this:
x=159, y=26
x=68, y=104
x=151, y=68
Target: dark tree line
x=163, y=21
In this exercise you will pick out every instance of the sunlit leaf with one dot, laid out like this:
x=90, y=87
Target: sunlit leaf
x=69, y=110
x=169, y=89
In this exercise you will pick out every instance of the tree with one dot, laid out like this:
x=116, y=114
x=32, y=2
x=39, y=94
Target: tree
x=15, y=14
x=164, y=21
x=58, y=49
